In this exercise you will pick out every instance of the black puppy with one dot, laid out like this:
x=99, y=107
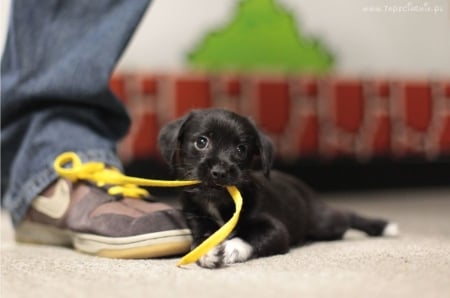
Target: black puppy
x=219, y=147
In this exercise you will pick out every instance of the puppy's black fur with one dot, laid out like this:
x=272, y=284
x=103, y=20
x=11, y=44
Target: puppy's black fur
x=219, y=147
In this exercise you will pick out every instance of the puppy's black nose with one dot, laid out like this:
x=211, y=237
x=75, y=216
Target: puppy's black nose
x=219, y=172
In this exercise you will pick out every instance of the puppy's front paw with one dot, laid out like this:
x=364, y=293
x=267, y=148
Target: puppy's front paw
x=229, y=252
x=236, y=250
x=213, y=258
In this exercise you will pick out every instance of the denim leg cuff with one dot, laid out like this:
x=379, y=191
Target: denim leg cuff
x=17, y=200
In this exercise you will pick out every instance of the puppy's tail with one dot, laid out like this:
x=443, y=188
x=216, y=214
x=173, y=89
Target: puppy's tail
x=374, y=227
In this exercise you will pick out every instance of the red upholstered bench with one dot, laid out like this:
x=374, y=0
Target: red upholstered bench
x=306, y=116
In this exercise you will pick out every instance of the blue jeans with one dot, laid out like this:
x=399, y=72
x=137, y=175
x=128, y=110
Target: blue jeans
x=55, y=69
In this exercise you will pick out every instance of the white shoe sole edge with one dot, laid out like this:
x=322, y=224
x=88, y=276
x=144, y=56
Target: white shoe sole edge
x=156, y=244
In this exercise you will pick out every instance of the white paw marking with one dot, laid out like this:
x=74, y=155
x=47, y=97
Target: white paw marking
x=391, y=230
x=236, y=250
x=212, y=259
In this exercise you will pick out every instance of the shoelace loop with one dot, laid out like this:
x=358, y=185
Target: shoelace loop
x=120, y=184
x=100, y=175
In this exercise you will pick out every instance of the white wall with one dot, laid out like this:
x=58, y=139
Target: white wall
x=4, y=12
x=382, y=42
x=378, y=43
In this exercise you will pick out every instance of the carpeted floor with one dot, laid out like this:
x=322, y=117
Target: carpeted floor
x=417, y=264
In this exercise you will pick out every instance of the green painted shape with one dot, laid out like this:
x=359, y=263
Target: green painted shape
x=262, y=36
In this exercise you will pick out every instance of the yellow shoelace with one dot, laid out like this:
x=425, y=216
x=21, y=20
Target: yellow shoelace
x=120, y=184
x=220, y=235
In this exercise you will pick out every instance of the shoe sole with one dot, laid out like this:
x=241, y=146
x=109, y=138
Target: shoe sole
x=153, y=245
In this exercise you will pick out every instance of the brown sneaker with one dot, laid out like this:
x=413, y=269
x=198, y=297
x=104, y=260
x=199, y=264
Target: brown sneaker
x=83, y=216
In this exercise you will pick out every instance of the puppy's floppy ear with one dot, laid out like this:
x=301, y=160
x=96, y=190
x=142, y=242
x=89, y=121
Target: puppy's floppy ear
x=266, y=152
x=169, y=137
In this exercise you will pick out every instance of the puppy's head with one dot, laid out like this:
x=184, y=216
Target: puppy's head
x=215, y=146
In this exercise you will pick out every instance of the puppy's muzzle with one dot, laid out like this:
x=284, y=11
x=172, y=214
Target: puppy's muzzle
x=220, y=173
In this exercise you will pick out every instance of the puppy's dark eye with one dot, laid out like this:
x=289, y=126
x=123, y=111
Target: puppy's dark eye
x=242, y=150
x=201, y=143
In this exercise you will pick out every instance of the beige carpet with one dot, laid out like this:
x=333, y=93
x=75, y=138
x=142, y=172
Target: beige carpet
x=417, y=264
